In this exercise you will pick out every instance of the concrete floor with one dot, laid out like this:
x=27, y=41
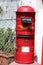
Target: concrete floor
x=14, y=63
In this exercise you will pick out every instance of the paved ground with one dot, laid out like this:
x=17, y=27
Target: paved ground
x=14, y=63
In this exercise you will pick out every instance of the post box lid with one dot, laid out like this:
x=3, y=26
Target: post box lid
x=25, y=9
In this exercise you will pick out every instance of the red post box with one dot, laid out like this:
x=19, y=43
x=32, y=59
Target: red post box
x=25, y=28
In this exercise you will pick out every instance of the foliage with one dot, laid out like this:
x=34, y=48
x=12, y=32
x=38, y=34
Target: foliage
x=6, y=40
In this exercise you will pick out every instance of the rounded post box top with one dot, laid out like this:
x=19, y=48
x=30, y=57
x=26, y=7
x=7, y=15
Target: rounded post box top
x=25, y=9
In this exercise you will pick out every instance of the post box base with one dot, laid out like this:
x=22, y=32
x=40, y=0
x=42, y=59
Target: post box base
x=24, y=58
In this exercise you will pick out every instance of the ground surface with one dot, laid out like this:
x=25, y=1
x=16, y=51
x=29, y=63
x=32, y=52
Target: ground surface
x=14, y=63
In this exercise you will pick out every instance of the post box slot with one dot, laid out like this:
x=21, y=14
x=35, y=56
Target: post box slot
x=25, y=36
x=26, y=20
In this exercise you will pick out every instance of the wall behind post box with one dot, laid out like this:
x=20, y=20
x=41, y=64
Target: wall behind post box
x=38, y=36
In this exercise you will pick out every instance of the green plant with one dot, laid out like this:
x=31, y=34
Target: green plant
x=1, y=38
x=6, y=40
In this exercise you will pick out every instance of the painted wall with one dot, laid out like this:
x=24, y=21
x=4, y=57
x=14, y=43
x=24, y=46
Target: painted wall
x=9, y=12
x=36, y=4
x=38, y=36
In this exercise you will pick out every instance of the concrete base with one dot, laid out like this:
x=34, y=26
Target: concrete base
x=14, y=63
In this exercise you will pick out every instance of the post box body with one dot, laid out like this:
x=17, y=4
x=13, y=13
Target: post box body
x=25, y=29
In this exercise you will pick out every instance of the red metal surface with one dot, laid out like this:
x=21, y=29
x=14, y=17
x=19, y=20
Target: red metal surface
x=22, y=42
x=25, y=57
x=20, y=28
x=25, y=9
x=25, y=34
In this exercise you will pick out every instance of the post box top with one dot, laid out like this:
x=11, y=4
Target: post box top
x=25, y=9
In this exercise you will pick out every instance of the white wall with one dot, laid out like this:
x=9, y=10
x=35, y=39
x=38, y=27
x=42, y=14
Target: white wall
x=36, y=4
x=38, y=36
x=9, y=9
x=9, y=12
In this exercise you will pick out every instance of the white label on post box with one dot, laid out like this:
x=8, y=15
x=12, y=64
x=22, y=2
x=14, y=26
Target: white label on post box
x=25, y=49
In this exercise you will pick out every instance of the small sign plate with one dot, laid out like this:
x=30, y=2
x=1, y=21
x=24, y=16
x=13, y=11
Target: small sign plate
x=25, y=49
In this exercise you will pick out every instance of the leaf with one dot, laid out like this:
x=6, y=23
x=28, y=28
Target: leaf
x=6, y=40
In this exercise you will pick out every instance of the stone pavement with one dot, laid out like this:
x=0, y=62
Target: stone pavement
x=14, y=63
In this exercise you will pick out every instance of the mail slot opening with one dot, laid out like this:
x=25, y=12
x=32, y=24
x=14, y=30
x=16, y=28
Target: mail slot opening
x=26, y=20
